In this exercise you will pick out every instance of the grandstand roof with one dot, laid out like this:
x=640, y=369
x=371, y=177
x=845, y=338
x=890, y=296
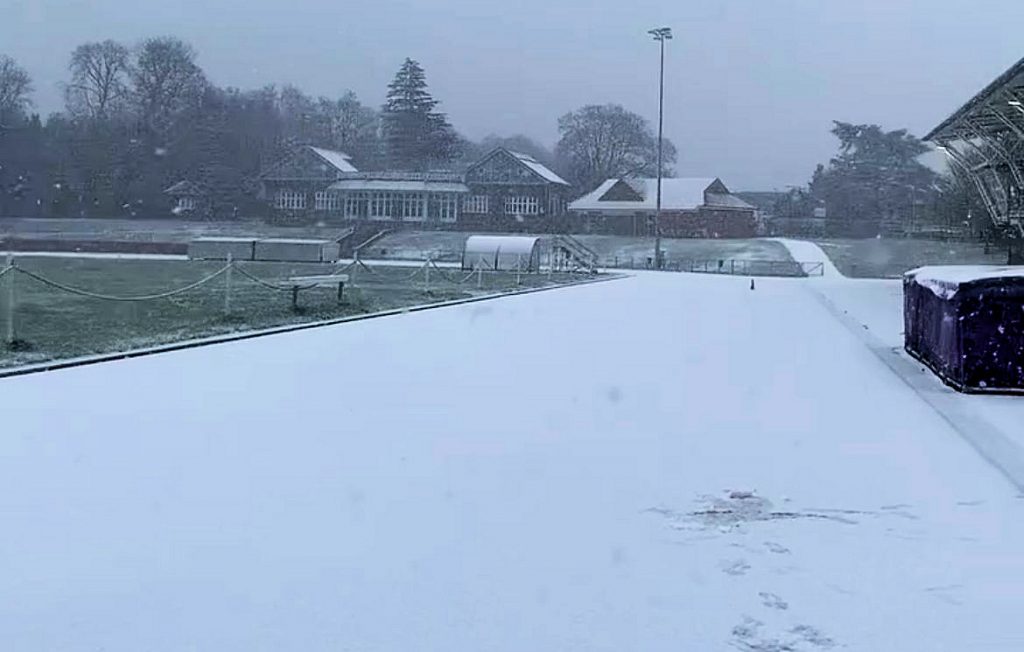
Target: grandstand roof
x=1004, y=96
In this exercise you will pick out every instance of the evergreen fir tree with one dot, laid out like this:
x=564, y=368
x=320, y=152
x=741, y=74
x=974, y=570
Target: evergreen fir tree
x=416, y=136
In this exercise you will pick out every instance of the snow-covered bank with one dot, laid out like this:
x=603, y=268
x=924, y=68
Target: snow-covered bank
x=807, y=252
x=509, y=475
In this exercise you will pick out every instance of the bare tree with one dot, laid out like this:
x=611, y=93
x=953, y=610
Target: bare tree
x=349, y=125
x=15, y=85
x=599, y=142
x=99, y=84
x=165, y=79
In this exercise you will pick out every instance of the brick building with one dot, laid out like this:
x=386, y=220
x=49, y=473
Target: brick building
x=690, y=208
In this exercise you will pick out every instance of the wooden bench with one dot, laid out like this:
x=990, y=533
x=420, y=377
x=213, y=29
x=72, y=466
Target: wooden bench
x=297, y=283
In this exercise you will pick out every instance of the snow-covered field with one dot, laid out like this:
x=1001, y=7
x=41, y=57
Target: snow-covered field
x=664, y=462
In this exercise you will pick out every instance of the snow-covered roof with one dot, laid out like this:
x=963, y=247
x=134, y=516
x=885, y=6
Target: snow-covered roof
x=946, y=280
x=505, y=244
x=676, y=194
x=339, y=160
x=539, y=168
x=403, y=185
x=185, y=188
x=727, y=201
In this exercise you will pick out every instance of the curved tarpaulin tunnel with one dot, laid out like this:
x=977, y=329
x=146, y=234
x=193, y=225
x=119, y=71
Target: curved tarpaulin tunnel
x=967, y=325
x=501, y=253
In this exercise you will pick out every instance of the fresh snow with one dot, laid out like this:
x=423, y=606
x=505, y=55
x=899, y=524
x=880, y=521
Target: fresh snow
x=663, y=462
x=945, y=280
x=803, y=251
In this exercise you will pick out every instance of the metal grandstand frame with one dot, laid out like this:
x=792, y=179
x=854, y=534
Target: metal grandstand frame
x=985, y=139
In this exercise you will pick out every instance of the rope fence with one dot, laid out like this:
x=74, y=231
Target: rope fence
x=253, y=309
x=110, y=297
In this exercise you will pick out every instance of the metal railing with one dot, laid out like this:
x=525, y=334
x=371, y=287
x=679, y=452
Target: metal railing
x=727, y=266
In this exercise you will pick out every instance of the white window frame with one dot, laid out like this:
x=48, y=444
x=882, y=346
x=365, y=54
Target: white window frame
x=356, y=200
x=186, y=203
x=445, y=206
x=476, y=204
x=325, y=200
x=382, y=205
x=412, y=206
x=522, y=205
x=290, y=200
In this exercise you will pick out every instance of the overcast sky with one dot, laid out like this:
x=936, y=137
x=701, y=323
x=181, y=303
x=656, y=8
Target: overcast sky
x=751, y=85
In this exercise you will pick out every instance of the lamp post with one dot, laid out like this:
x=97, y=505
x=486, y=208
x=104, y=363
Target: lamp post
x=661, y=35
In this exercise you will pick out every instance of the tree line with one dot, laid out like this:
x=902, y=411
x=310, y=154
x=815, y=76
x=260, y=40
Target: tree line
x=877, y=181
x=137, y=119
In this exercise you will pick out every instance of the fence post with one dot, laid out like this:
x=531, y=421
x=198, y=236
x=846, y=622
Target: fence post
x=10, y=301
x=519, y=262
x=227, y=285
x=426, y=276
x=479, y=275
x=732, y=267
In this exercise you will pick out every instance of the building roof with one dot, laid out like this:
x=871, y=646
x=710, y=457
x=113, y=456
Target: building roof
x=186, y=189
x=338, y=160
x=402, y=185
x=1010, y=85
x=533, y=165
x=676, y=195
x=538, y=167
x=727, y=201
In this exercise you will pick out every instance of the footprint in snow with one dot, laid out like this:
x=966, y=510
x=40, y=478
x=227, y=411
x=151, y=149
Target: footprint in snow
x=773, y=601
x=738, y=567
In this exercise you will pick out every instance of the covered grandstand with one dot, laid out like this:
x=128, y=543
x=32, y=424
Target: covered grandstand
x=985, y=140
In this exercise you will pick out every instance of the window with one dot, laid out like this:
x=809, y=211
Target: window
x=412, y=206
x=186, y=203
x=357, y=204
x=555, y=205
x=380, y=204
x=290, y=200
x=445, y=207
x=521, y=205
x=475, y=204
x=326, y=201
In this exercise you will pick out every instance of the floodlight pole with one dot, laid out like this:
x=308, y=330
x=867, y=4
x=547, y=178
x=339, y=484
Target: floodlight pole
x=661, y=35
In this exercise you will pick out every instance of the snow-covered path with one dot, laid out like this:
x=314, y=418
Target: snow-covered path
x=804, y=251
x=544, y=472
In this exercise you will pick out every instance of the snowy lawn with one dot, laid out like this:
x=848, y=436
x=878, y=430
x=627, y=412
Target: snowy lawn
x=666, y=462
x=882, y=258
x=59, y=325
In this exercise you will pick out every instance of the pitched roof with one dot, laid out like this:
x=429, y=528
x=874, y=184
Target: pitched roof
x=538, y=167
x=185, y=188
x=727, y=201
x=339, y=160
x=676, y=194
x=1011, y=80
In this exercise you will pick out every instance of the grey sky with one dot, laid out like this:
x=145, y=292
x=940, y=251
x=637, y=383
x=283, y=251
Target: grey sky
x=752, y=85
